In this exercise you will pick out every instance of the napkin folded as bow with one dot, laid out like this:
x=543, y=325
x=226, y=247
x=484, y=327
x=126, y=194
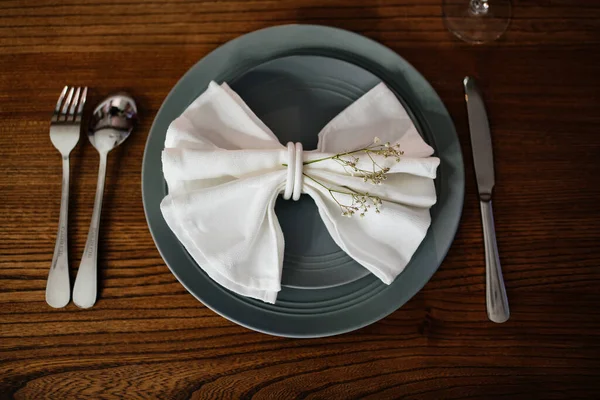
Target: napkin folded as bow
x=225, y=168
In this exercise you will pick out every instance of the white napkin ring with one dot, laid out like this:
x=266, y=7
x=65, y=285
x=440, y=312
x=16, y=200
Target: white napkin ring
x=295, y=164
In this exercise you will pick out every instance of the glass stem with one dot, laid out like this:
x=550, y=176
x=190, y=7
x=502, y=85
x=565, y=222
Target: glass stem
x=479, y=7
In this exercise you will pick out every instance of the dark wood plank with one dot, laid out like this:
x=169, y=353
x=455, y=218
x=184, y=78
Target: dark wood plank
x=148, y=338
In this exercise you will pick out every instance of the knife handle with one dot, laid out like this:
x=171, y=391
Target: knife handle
x=495, y=292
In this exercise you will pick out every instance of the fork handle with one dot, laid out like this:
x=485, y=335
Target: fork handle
x=495, y=292
x=84, y=291
x=58, y=289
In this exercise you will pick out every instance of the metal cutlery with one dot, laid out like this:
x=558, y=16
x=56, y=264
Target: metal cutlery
x=65, y=127
x=481, y=143
x=112, y=122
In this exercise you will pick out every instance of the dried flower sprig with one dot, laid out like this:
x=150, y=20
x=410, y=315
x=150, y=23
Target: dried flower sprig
x=349, y=160
x=361, y=202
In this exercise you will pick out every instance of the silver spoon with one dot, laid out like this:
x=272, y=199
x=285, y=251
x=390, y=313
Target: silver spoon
x=112, y=122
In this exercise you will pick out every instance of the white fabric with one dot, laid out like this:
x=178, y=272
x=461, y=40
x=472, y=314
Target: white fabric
x=225, y=168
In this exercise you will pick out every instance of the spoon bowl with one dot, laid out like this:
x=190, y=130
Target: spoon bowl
x=112, y=122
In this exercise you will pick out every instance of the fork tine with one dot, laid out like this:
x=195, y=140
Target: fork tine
x=71, y=115
x=63, y=113
x=59, y=103
x=81, y=104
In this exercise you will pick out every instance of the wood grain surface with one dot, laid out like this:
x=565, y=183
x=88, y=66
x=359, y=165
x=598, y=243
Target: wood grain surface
x=147, y=338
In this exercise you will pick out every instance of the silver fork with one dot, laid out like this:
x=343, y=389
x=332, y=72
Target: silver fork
x=64, y=134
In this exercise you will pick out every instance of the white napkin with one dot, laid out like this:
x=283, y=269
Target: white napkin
x=225, y=168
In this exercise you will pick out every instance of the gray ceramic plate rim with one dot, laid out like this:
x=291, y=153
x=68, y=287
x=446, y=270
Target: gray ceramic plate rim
x=281, y=41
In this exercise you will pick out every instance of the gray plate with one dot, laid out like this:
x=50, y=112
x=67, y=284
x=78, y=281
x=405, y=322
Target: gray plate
x=333, y=310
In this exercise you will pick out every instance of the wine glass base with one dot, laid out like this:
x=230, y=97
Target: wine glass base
x=473, y=27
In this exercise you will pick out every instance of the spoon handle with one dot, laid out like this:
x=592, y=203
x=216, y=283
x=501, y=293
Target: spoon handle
x=58, y=289
x=84, y=292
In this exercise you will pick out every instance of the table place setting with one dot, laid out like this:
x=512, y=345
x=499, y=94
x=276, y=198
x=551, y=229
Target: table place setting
x=299, y=200
x=371, y=172
x=215, y=174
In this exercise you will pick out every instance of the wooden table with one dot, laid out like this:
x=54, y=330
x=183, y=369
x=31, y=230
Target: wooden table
x=148, y=338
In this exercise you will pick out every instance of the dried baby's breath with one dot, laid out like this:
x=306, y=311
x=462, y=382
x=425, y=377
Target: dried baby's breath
x=361, y=203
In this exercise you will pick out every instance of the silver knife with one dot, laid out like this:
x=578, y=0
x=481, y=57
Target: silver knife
x=481, y=143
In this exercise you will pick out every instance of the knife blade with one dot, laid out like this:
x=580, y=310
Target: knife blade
x=481, y=139
x=483, y=158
